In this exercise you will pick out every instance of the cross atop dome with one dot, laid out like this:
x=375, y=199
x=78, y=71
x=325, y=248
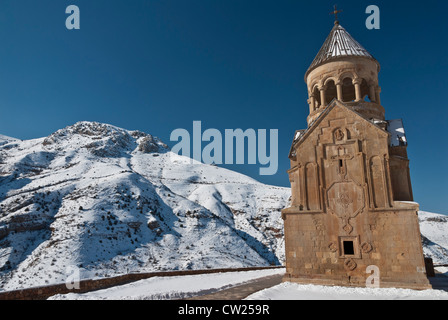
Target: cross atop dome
x=335, y=12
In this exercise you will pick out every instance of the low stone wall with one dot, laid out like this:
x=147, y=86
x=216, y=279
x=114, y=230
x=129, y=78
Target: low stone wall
x=42, y=293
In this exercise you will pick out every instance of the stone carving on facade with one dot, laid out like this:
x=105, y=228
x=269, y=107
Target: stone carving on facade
x=347, y=227
x=339, y=135
x=345, y=199
x=318, y=225
x=333, y=247
x=366, y=247
x=350, y=264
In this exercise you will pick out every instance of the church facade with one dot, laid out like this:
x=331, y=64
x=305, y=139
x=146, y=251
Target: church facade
x=351, y=204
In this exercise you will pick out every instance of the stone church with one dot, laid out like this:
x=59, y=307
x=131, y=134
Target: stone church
x=352, y=204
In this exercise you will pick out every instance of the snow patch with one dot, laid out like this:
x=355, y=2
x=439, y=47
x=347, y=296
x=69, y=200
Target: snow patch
x=294, y=291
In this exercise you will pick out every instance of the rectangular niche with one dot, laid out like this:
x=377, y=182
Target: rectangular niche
x=349, y=247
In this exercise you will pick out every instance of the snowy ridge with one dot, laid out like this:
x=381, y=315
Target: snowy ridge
x=111, y=201
x=5, y=140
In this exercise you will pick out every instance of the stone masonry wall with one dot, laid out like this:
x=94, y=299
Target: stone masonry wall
x=314, y=249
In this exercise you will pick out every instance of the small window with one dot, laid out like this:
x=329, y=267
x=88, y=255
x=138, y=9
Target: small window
x=349, y=249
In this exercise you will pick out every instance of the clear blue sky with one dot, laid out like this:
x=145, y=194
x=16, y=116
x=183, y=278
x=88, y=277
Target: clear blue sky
x=159, y=65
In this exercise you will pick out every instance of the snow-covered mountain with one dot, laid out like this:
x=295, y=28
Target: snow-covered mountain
x=111, y=201
x=434, y=230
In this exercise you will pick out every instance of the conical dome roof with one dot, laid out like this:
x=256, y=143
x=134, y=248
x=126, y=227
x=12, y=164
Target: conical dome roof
x=339, y=44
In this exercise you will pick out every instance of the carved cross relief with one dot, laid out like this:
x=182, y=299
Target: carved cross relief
x=340, y=159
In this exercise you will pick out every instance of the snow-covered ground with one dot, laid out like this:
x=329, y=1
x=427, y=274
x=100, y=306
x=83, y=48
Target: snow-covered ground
x=178, y=287
x=442, y=270
x=294, y=291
